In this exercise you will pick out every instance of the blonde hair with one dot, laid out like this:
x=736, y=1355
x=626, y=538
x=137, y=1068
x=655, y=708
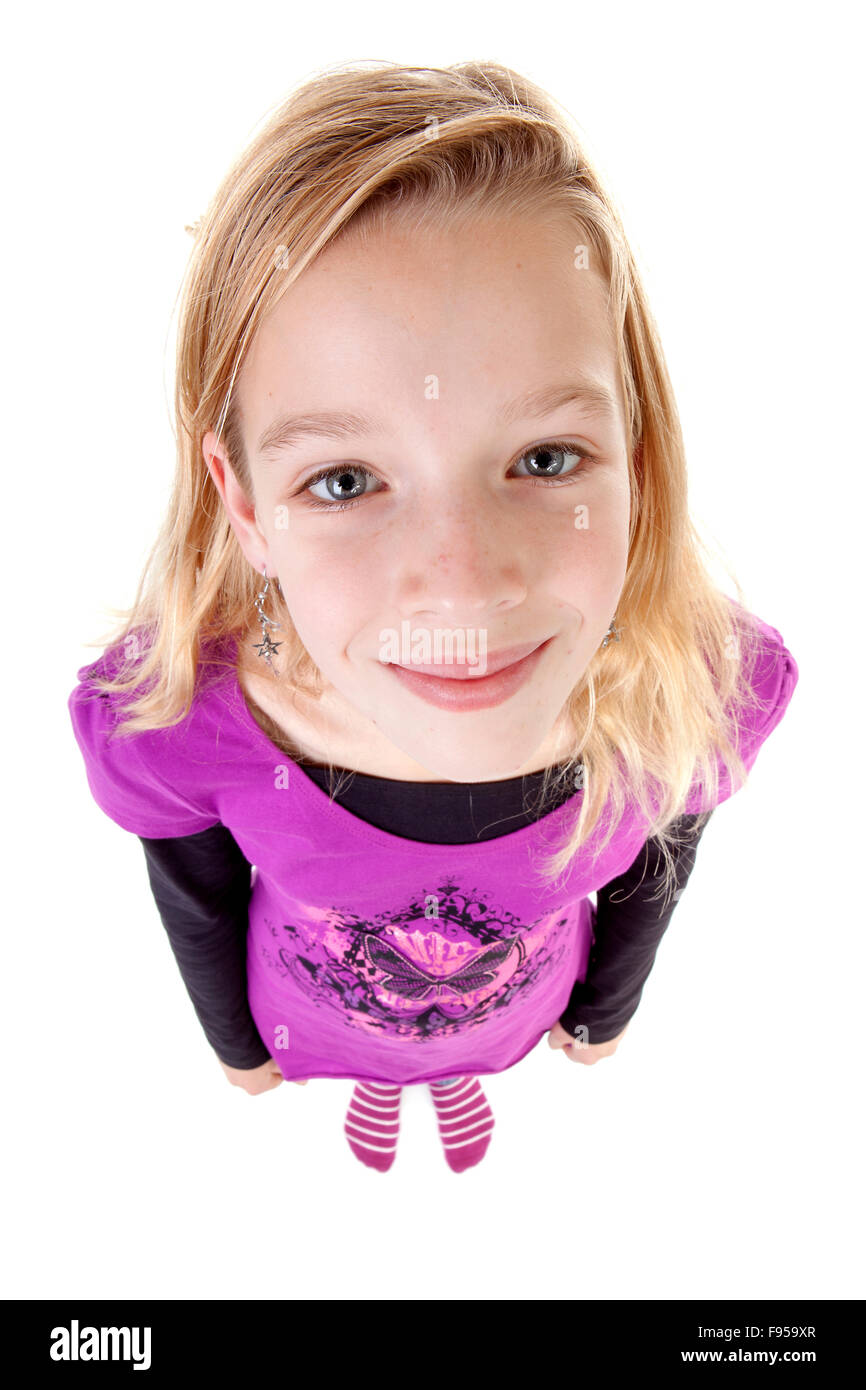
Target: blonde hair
x=347, y=151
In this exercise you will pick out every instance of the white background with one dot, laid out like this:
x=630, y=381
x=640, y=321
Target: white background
x=719, y=1153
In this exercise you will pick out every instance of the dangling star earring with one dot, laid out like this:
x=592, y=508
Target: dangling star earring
x=266, y=647
x=612, y=633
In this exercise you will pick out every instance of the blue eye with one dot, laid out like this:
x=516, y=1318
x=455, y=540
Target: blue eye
x=544, y=458
x=342, y=476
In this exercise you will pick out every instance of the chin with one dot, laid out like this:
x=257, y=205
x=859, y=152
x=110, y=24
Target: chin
x=474, y=764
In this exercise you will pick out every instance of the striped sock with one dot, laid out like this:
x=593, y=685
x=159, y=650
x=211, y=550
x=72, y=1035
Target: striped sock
x=373, y=1123
x=465, y=1120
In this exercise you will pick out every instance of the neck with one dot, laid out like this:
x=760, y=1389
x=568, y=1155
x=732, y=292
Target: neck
x=328, y=731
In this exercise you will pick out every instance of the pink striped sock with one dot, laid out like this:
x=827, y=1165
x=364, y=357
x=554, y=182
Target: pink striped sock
x=465, y=1121
x=373, y=1123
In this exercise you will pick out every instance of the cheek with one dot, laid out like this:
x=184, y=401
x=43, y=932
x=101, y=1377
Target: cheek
x=588, y=560
x=329, y=589
x=326, y=558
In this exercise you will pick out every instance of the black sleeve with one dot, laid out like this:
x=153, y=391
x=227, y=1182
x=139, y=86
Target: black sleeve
x=628, y=929
x=202, y=886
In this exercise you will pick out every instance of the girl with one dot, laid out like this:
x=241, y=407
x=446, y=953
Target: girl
x=426, y=652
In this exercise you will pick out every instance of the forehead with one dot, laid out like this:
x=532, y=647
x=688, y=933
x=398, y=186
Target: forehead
x=486, y=307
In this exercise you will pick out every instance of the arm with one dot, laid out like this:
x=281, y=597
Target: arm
x=201, y=884
x=629, y=926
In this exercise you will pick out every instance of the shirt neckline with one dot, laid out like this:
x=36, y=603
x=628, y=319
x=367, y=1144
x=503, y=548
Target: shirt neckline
x=320, y=801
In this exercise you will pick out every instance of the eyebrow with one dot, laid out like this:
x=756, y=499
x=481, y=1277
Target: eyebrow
x=596, y=400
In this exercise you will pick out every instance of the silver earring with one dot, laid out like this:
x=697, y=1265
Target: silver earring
x=266, y=647
x=613, y=632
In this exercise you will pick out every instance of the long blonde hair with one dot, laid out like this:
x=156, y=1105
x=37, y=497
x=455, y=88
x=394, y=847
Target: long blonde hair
x=351, y=148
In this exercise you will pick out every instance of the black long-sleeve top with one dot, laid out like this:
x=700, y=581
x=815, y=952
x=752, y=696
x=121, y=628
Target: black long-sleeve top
x=202, y=883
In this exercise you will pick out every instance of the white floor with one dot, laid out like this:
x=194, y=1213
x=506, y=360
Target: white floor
x=717, y=1154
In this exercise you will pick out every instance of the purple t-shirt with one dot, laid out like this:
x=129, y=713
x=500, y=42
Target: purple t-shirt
x=369, y=956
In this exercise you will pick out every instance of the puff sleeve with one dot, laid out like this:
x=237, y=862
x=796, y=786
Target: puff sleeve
x=136, y=779
x=774, y=680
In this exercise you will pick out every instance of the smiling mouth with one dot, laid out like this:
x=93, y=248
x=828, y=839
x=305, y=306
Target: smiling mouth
x=463, y=689
x=467, y=670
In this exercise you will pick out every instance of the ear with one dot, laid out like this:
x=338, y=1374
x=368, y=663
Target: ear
x=240, y=508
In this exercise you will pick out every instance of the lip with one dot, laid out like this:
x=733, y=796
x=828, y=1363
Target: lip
x=465, y=691
x=463, y=670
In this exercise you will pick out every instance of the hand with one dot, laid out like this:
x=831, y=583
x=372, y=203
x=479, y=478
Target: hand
x=588, y=1053
x=255, y=1080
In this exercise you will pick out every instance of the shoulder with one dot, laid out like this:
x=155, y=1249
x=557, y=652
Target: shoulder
x=768, y=677
x=148, y=781
x=771, y=672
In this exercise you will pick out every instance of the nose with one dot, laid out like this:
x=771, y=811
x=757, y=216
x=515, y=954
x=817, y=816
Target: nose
x=465, y=564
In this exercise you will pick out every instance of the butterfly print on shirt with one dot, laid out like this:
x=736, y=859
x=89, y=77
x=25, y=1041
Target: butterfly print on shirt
x=410, y=975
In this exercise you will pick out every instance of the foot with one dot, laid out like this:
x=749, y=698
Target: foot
x=465, y=1121
x=373, y=1123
